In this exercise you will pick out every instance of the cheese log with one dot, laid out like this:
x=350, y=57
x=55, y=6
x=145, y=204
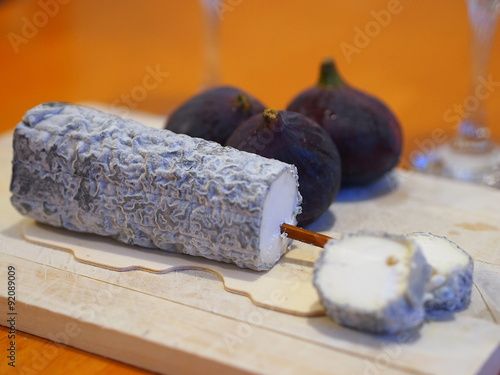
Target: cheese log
x=450, y=284
x=372, y=281
x=87, y=171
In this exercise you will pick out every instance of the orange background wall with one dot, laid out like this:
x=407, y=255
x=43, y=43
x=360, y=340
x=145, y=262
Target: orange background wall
x=416, y=58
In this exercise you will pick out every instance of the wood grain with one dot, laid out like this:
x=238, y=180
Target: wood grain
x=184, y=322
x=295, y=267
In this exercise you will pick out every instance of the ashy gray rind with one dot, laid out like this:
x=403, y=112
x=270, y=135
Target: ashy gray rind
x=455, y=293
x=84, y=170
x=403, y=313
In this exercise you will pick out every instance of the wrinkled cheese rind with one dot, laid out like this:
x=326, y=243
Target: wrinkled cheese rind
x=87, y=171
x=449, y=288
x=401, y=310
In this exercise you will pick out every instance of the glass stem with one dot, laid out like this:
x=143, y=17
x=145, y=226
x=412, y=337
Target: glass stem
x=211, y=73
x=473, y=133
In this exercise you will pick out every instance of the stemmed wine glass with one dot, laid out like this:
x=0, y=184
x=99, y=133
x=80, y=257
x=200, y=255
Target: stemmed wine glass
x=211, y=73
x=471, y=155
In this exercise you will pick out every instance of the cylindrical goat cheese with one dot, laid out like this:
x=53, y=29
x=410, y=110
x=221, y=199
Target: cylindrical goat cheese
x=372, y=281
x=84, y=170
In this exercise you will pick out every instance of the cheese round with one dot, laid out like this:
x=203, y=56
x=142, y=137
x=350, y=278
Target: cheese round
x=372, y=281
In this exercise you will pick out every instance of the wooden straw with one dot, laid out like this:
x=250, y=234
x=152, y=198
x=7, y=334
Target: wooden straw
x=304, y=235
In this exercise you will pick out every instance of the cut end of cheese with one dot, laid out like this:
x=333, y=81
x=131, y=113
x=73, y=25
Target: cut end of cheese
x=450, y=284
x=281, y=205
x=372, y=281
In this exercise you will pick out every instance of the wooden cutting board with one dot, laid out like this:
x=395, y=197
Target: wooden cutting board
x=297, y=264
x=187, y=322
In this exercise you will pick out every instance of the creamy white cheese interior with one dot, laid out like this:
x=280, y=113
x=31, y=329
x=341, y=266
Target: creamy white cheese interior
x=443, y=256
x=365, y=271
x=279, y=207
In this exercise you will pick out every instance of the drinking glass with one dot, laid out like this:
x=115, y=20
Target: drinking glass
x=211, y=44
x=471, y=155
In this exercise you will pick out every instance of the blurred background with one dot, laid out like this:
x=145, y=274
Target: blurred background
x=149, y=55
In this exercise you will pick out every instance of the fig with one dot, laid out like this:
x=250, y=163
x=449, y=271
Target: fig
x=295, y=139
x=365, y=131
x=214, y=114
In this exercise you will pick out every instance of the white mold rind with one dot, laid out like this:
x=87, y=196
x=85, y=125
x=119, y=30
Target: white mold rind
x=87, y=171
x=403, y=312
x=451, y=291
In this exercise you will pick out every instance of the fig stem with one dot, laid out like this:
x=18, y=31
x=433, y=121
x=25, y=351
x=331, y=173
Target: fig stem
x=271, y=117
x=304, y=235
x=329, y=75
x=242, y=103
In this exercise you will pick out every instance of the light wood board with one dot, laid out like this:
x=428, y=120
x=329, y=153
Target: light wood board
x=186, y=322
x=291, y=278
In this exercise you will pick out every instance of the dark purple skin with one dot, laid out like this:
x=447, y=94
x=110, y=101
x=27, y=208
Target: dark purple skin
x=367, y=134
x=295, y=139
x=214, y=114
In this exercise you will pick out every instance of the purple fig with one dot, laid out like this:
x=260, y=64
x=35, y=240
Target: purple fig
x=366, y=132
x=295, y=139
x=214, y=114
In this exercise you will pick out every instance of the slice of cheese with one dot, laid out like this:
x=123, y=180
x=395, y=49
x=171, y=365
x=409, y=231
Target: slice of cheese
x=450, y=284
x=373, y=282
